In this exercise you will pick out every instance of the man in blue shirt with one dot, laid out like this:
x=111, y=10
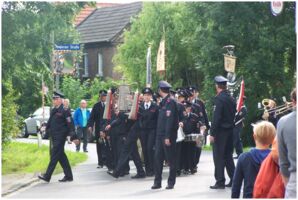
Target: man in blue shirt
x=81, y=117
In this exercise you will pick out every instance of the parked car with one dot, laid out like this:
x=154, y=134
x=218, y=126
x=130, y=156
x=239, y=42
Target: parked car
x=35, y=122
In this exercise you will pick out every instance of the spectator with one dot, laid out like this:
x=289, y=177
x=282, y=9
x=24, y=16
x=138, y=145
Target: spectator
x=286, y=138
x=66, y=104
x=249, y=163
x=81, y=117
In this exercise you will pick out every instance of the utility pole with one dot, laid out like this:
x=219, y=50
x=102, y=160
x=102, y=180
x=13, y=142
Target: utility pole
x=52, y=56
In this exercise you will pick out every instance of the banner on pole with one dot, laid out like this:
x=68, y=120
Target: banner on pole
x=161, y=57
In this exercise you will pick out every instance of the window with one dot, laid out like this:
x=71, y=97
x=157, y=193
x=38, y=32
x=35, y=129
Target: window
x=85, y=64
x=100, y=65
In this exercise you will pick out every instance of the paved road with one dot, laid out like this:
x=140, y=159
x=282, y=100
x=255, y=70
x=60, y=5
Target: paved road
x=90, y=182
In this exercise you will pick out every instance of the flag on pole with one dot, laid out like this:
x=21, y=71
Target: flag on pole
x=148, y=65
x=241, y=94
x=161, y=57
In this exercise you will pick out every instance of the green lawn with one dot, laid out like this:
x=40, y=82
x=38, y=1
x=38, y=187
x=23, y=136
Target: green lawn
x=209, y=148
x=28, y=158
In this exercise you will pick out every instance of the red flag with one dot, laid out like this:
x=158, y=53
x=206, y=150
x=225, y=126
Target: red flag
x=240, y=99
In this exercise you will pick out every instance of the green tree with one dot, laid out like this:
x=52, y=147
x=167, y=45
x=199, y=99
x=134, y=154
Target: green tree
x=195, y=34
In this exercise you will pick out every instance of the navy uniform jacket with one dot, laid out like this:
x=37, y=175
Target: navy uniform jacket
x=167, y=123
x=119, y=124
x=148, y=118
x=181, y=110
x=198, y=110
x=60, y=123
x=191, y=124
x=240, y=116
x=201, y=103
x=96, y=117
x=224, y=113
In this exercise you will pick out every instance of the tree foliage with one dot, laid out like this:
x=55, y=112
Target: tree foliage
x=195, y=34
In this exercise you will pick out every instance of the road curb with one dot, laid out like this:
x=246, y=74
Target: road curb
x=19, y=185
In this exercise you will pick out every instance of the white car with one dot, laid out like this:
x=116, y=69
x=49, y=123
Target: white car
x=36, y=121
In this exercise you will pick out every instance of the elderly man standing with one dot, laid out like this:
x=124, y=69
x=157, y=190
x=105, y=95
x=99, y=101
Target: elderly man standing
x=286, y=138
x=81, y=117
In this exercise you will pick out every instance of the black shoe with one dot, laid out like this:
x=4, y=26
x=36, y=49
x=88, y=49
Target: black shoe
x=229, y=184
x=216, y=186
x=115, y=175
x=155, y=187
x=66, y=179
x=138, y=176
x=42, y=177
x=169, y=187
x=100, y=166
x=77, y=150
x=178, y=173
x=126, y=173
x=85, y=151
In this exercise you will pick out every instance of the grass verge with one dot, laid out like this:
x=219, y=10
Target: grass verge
x=209, y=148
x=20, y=157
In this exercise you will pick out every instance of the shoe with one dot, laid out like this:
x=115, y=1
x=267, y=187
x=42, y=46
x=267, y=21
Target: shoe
x=178, y=173
x=126, y=173
x=42, y=177
x=138, y=176
x=216, y=186
x=66, y=179
x=193, y=171
x=77, y=150
x=155, y=187
x=85, y=151
x=114, y=174
x=229, y=184
x=99, y=166
x=169, y=187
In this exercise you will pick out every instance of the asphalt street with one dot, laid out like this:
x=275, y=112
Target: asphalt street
x=90, y=182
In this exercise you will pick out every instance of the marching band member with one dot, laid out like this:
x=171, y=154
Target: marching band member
x=148, y=120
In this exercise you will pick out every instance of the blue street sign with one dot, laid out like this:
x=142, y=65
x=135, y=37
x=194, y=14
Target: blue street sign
x=67, y=47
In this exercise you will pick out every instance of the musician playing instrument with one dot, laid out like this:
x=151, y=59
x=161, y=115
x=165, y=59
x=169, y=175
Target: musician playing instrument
x=191, y=125
x=181, y=111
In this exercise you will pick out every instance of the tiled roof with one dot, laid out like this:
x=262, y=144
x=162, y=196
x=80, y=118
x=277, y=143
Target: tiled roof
x=105, y=23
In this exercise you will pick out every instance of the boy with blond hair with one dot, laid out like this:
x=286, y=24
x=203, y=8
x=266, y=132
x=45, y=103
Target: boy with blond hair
x=249, y=163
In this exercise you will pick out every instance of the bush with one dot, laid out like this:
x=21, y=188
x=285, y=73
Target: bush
x=10, y=121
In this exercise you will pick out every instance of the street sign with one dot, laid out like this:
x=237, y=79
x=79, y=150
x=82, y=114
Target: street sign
x=65, y=47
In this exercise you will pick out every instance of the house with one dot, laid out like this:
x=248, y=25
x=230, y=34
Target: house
x=100, y=33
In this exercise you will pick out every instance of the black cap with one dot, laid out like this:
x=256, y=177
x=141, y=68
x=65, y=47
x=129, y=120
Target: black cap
x=182, y=93
x=164, y=84
x=58, y=94
x=191, y=89
x=103, y=92
x=220, y=80
x=147, y=90
x=188, y=93
x=113, y=90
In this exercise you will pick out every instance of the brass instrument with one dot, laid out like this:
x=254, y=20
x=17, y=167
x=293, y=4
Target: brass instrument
x=270, y=107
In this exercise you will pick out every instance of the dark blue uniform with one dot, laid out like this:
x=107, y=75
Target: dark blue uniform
x=167, y=125
x=222, y=129
x=191, y=124
x=237, y=130
x=181, y=111
x=97, y=121
x=59, y=126
x=148, y=122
